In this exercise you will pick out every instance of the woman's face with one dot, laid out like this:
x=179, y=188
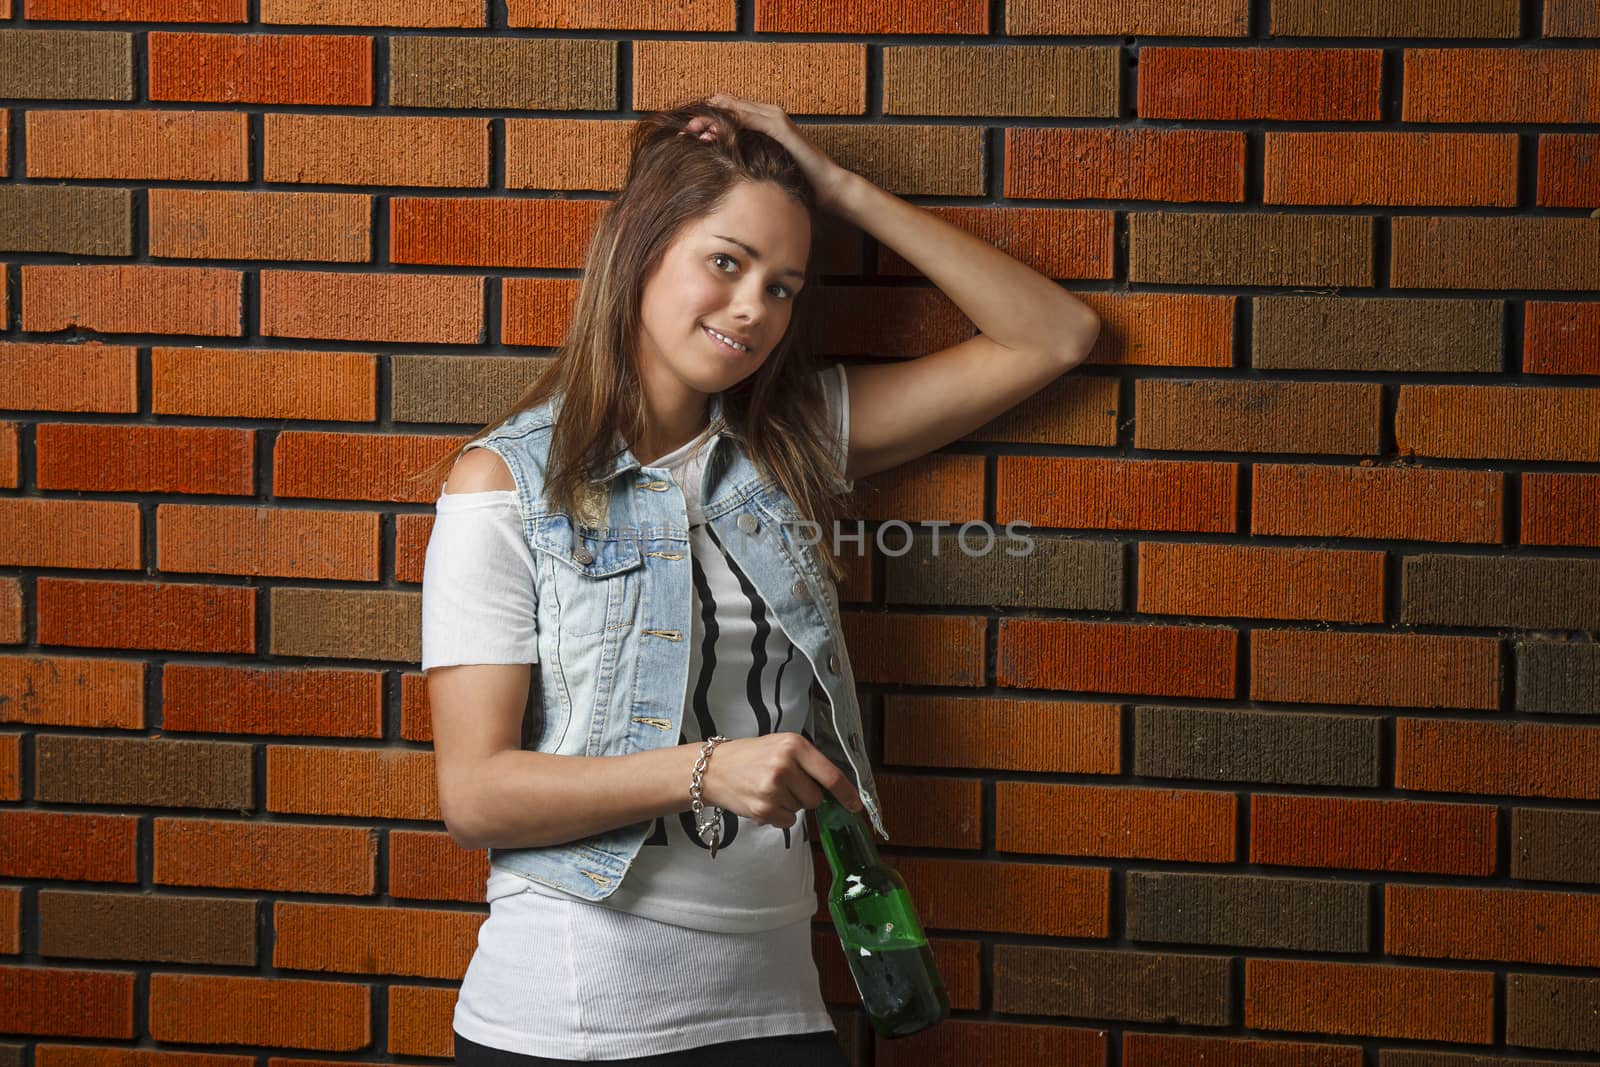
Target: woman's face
x=735, y=271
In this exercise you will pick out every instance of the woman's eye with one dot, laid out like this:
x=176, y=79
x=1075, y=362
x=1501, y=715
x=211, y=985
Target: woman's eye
x=783, y=291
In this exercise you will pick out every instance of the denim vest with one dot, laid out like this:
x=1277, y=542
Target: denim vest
x=614, y=602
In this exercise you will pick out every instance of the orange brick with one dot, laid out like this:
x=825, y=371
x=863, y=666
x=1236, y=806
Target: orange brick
x=1569, y=170
x=411, y=533
x=80, y=377
x=1180, y=1050
x=932, y=488
x=276, y=857
x=1561, y=338
x=92, y=534
x=1560, y=509
x=353, y=939
x=1056, y=242
x=10, y=456
x=1221, y=18
x=536, y=311
x=145, y=459
x=937, y=812
x=999, y=897
x=258, y=68
x=567, y=153
x=146, y=615
x=1399, y=169
x=11, y=902
x=140, y=10
x=1499, y=422
x=681, y=15
x=132, y=145
x=290, y=702
x=1497, y=758
x=1111, y=494
x=59, y=1000
x=916, y=649
x=804, y=79
x=420, y=1022
x=62, y=691
x=428, y=865
x=491, y=231
x=367, y=782
x=1357, y=833
x=1184, y=825
x=1466, y=923
x=277, y=1012
x=1407, y=670
x=274, y=542
x=1251, y=84
x=1020, y=735
x=1386, y=503
x=10, y=611
x=432, y=308
x=1260, y=582
x=965, y=17
x=68, y=846
x=10, y=789
x=1162, y=329
x=416, y=718
x=1500, y=85
x=1379, y=1000
x=344, y=466
x=1098, y=657
x=133, y=299
x=219, y=224
x=437, y=14
x=377, y=150
x=259, y=384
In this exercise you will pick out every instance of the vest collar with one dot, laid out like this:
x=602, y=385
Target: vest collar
x=626, y=461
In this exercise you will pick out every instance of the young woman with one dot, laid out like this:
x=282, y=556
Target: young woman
x=631, y=633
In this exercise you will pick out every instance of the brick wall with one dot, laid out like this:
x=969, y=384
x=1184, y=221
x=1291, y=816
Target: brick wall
x=1279, y=750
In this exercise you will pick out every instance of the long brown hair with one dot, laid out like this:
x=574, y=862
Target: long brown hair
x=776, y=415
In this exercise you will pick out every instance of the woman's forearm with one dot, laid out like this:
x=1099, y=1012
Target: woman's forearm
x=1008, y=301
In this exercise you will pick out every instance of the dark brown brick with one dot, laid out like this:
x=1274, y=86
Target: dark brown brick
x=66, y=65
x=1511, y=252
x=1558, y=677
x=1553, y=1011
x=1275, y=747
x=1199, y=248
x=1294, y=914
x=907, y=159
x=1550, y=845
x=1409, y=1058
x=133, y=926
x=935, y=811
x=1044, y=571
x=1570, y=18
x=347, y=624
x=1485, y=591
x=1247, y=416
x=1225, y=18
x=550, y=74
x=142, y=771
x=1044, y=80
x=459, y=389
x=75, y=220
x=1112, y=984
x=1376, y=334
x=1399, y=18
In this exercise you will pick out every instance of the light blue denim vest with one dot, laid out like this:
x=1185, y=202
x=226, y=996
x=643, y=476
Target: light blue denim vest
x=614, y=622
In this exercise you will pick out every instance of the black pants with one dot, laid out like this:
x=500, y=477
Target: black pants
x=821, y=1049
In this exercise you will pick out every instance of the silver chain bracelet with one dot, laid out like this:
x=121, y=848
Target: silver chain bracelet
x=713, y=821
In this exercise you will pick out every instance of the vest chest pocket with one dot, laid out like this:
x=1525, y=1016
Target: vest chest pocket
x=592, y=582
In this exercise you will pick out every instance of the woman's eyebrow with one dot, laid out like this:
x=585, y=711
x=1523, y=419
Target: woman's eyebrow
x=756, y=255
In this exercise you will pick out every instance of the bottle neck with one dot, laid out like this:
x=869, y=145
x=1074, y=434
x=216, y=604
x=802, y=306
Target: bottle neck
x=845, y=839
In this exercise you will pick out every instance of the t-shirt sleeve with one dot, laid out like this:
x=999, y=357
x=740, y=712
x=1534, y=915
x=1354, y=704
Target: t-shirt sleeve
x=479, y=597
x=836, y=395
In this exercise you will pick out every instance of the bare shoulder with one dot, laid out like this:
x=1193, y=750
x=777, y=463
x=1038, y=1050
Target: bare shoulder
x=479, y=470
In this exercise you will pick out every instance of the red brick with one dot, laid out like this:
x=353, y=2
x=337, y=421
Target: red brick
x=1195, y=661
x=411, y=533
x=429, y=865
x=1221, y=18
x=10, y=454
x=1498, y=758
x=434, y=14
x=1125, y=164
x=280, y=701
x=1499, y=422
x=1468, y=923
x=416, y=717
x=491, y=231
x=10, y=789
x=1260, y=582
x=1181, y=1050
x=938, y=812
x=916, y=649
x=132, y=145
x=422, y=942
x=140, y=10
x=1406, y=670
x=66, y=1002
x=68, y=846
x=74, y=377
x=347, y=466
x=1560, y=509
x=431, y=308
x=1561, y=338
x=1384, y=503
x=275, y=857
x=1569, y=170
x=1398, y=169
x=1056, y=242
x=815, y=78
x=1252, y=84
x=536, y=311
x=882, y=322
x=420, y=1022
x=103, y=1056
x=933, y=487
x=293, y=543
x=259, y=68
x=965, y=17
x=1357, y=833
x=146, y=615
x=62, y=691
x=221, y=224
x=259, y=384
x=10, y=611
x=133, y=299
x=566, y=153
x=145, y=459
x=367, y=783
x=1112, y=494
x=1500, y=85
x=1375, y=1000
x=11, y=913
x=1028, y=898
x=278, y=1012
x=376, y=150
x=1188, y=826
x=91, y=534
x=1013, y=735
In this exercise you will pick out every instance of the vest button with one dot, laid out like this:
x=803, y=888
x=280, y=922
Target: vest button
x=747, y=523
x=833, y=663
x=855, y=741
x=802, y=591
x=583, y=555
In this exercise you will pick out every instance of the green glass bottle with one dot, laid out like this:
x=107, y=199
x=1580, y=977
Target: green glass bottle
x=883, y=941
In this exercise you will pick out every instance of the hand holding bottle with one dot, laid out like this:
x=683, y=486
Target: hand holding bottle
x=772, y=778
